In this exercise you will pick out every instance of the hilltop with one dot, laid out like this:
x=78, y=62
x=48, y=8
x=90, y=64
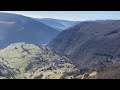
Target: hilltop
x=30, y=61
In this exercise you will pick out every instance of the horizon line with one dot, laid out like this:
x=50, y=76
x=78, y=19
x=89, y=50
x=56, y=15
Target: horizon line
x=55, y=18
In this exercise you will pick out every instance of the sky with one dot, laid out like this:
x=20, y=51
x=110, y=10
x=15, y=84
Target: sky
x=71, y=15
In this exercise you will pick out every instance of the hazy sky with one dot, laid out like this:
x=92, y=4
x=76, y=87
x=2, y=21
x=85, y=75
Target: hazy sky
x=71, y=15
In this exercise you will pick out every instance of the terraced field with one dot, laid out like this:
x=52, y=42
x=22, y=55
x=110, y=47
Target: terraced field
x=29, y=61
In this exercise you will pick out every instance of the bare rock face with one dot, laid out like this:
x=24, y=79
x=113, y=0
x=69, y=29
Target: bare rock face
x=5, y=72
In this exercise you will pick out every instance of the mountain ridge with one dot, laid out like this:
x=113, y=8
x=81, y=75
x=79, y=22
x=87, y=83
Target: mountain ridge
x=89, y=43
x=24, y=29
x=57, y=23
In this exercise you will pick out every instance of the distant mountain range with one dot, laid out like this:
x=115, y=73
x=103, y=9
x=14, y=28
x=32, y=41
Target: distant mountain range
x=90, y=43
x=17, y=28
x=57, y=23
x=69, y=50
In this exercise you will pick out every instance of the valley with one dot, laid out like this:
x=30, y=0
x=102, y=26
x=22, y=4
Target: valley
x=48, y=48
x=89, y=43
x=57, y=23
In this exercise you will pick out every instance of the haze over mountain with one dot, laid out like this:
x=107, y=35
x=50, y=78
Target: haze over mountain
x=90, y=43
x=57, y=23
x=17, y=28
x=70, y=50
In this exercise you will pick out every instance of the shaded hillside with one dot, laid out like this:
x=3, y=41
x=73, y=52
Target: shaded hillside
x=90, y=43
x=16, y=28
x=58, y=24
